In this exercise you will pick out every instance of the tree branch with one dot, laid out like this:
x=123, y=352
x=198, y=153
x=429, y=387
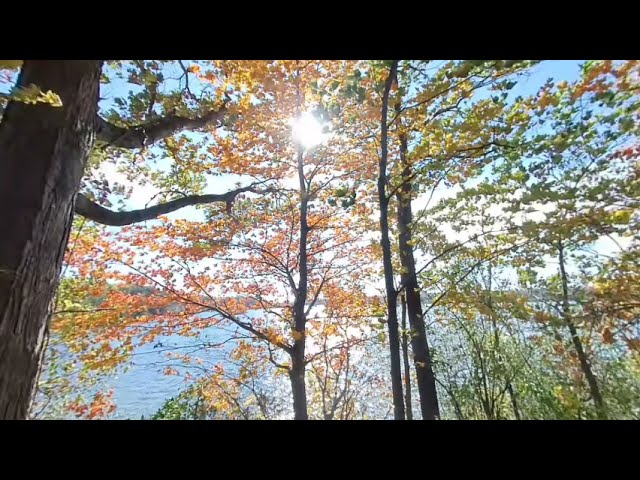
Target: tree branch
x=99, y=214
x=146, y=134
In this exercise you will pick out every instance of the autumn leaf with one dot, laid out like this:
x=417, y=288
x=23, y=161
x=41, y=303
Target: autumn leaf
x=607, y=336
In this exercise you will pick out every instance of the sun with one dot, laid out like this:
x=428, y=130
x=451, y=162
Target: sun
x=308, y=130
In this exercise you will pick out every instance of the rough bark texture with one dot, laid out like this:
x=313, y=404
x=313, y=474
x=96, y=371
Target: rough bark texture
x=392, y=295
x=575, y=339
x=43, y=151
x=419, y=344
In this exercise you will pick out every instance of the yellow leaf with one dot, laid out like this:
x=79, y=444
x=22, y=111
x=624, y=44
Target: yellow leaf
x=10, y=64
x=621, y=216
x=32, y=94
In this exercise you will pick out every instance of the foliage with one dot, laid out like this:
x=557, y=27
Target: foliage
x=524, y=234
x=188, y=405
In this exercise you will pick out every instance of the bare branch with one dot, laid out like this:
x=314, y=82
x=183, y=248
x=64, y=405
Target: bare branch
x=100, y=214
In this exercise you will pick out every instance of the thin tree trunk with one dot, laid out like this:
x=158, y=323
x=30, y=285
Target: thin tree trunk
x=458, y=410
x=514, y=401
x=509, y=385
x=297, y=372
x=456, y=405
x=43, y=152
x=496, y=349
x=392, y=295
x=577, y=343
x=419, y=345
x=405, y=359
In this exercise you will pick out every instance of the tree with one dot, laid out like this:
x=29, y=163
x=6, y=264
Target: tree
x=55, y=142
x=442, y=136
x=277, y=254
x=580, y=179
x=578, y=191
x=392, y=299
x=44, y=151
x=241, y=219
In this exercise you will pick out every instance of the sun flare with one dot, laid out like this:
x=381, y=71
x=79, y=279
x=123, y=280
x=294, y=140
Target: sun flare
x=308, y=130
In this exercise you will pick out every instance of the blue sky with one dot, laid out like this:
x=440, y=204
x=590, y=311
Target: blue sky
x=558, y=69
x=568, y=70
x=144, y=388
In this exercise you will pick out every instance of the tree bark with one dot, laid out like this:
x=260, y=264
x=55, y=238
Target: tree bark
x=140, y=136
x=405, y=360
x=104, y=216
x=575, y=339
x=392, y=295
x=419, y=345
x=298, y=386
x=43, y=152
x=297, y=372
x=514, y=401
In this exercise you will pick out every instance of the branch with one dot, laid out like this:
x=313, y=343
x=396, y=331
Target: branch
x=497, y=253
x=347, y=343
x=281, y=267
x=186, y=79
x=99, y=214
x=318, y=290
x=60, y=312
x=250, y=328
x=452, y=248
x=140, y=136
x=273, y=360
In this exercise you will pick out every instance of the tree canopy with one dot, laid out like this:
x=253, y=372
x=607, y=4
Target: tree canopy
x=330, y=239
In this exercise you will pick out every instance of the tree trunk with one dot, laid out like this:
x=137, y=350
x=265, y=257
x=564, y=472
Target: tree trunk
x=421, y=356
x=297, y=372
x=43, y=151
x=514, y=401
x=298, y=387
x=392, y=295
x=577, y=343
x=496, y=344
x=456, y=406
x=405, y=360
